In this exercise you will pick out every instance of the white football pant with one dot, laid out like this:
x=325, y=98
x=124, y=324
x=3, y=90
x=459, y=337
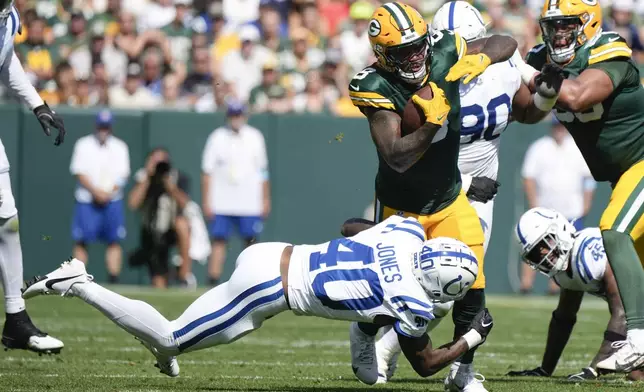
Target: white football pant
x=485, y=211
x=222, y=315
x=10, y=251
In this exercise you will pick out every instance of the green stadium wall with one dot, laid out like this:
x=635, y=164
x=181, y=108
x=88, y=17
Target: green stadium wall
x=322, y=171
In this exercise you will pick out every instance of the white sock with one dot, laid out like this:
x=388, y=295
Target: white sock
x=11, y=265
x=136, y=317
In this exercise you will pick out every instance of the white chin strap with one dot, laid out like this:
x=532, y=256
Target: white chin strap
x=413, y=77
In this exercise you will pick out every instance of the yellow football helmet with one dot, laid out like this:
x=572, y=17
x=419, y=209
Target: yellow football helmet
x=568, y=24
x=398, y=36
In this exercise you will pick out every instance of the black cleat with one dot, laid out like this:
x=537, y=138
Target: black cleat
x=20, y=333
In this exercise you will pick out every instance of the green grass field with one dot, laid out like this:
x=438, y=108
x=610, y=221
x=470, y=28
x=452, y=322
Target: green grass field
x=288, y=353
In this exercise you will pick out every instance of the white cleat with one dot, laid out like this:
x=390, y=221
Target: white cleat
x=59, y=281
x=166, y=364
x=627, y=358
x=387, y=353
x=463, y=379
x=363, y=355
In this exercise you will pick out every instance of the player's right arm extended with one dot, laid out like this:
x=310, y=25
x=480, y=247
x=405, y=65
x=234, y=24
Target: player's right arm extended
x=561, y=324
x=427, y=361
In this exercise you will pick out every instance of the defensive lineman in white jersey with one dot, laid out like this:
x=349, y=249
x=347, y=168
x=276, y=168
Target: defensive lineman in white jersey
x=487, y=104
x=578, y=263
x=387, y=274
x=18, y=332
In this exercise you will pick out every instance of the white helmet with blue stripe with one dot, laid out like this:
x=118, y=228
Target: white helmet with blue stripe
x=546, y=238
x=446, y=268
x=460, y=17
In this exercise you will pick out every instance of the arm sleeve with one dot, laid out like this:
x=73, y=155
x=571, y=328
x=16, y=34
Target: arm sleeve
x=13, y=76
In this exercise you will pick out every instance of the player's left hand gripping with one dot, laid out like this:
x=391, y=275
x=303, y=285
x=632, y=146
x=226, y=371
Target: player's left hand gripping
x=548, y=82
x=49, y=119
x=471, y=65
x=435, y=109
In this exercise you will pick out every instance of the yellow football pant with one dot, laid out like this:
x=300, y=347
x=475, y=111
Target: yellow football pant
x=625, y=211
x=459, y=220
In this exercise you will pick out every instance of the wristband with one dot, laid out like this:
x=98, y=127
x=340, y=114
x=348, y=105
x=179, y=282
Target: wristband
x=544, y=104
x=472, y=338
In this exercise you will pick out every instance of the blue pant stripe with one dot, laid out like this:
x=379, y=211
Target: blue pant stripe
x=241, y=314
x=194, y=324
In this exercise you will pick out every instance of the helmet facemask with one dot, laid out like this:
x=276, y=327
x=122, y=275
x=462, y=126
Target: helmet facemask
x=549, y=255
x=563, y=35
x=410, y=61
x=5, y=8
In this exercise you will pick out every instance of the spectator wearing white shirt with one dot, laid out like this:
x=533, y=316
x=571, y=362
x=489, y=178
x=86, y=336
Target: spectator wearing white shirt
x=101, y=164
x=242, y=68
x=556, y=176
x=235, y=185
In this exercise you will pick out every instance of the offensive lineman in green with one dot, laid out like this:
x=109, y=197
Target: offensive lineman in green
x=418, y=173
x=599, y=98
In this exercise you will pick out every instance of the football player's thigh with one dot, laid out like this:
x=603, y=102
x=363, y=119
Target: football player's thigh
x=625, y=210
x=485, y=211
x=460, y=221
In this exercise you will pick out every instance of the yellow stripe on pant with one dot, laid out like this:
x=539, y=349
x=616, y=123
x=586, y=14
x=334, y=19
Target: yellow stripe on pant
x=625, y=210
x=459, y=220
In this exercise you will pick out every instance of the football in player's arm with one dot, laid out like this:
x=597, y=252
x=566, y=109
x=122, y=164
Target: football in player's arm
x=400, y=152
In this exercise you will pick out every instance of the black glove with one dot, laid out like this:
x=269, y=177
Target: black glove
x=586, y=373
x=548, y=82
x=49, y=119
x=482, y=189
x=536, y=372
x=482, y=323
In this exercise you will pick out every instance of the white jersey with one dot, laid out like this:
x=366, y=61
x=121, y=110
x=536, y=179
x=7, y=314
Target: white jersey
x=8, y=30
x=364, y=276
x=587, y=264
x=486, y=105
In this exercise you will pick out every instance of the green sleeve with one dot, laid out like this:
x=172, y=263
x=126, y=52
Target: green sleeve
x=620, y=72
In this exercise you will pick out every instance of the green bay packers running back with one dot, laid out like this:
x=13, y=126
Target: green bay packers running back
x=418, y=173
x=487, y=104
x=600, y=100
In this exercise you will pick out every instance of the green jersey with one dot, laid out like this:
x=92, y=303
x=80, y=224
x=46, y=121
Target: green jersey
x=610, y=135
x=433, y=182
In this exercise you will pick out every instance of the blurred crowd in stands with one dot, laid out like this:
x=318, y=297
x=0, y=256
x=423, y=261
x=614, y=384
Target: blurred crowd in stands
x=277, y=55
